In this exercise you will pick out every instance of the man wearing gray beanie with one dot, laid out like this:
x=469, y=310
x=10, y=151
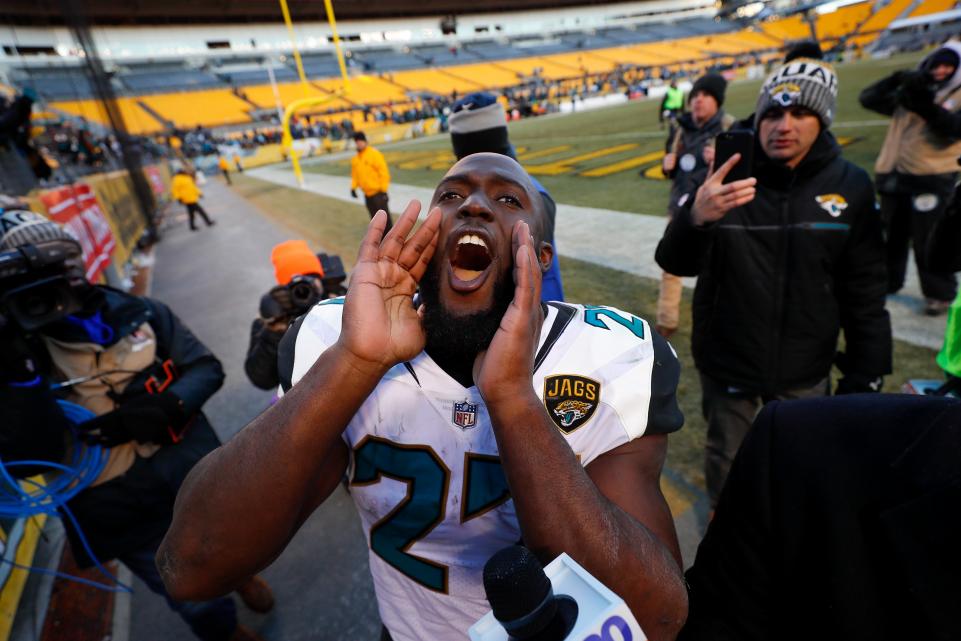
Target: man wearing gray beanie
x=786, y=259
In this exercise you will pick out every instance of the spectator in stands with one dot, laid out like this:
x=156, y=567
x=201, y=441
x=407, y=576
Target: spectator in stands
x=368, y=171
x=224, y=168
x=838, y=522
x=917, y=167
x=478, y=124
x=785, y=259
x=691, y=153
x=184, y=190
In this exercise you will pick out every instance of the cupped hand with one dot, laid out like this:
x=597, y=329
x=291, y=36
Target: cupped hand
x=505, y=368
x=380, y=325
x=715, y=198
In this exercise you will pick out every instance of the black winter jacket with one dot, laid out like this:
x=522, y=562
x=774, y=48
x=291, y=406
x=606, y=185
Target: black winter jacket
x=780, y=276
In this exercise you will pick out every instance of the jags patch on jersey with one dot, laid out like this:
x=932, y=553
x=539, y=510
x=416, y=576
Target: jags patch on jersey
x=833, y=204
x=571, y=400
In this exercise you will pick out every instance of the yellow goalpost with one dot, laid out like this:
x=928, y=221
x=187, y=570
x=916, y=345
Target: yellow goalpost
x=287, y=141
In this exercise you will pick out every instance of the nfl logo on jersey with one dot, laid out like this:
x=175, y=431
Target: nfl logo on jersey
x=465, y=414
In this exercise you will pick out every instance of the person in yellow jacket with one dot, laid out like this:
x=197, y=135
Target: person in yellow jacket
x=184, y=190
x=368, y=170
x=225, y=168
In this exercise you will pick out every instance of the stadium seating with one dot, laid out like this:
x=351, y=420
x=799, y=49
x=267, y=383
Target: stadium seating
x=788, y=29
x=842, y=22
x=366, y=90
x=230, y=89
x=435, y=81
x=880, y=19
x=932, y=6
x=138, y=121
x=207, y=108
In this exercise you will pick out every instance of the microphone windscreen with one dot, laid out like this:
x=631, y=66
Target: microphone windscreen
x=515, y=583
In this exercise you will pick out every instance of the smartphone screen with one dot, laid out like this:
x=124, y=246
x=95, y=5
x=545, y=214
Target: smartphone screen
x=728, y=143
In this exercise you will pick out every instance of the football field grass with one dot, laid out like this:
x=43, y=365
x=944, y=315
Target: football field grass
x=595, y=158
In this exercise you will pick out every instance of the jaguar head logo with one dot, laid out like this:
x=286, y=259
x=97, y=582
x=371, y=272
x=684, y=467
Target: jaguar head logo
x=833, y=204
x=785, y=94
x=571, y=411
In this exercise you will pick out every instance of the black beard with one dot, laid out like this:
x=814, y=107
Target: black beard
x=454, y=341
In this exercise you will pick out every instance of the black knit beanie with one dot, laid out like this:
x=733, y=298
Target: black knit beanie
x=713, y=84
x=478, y=124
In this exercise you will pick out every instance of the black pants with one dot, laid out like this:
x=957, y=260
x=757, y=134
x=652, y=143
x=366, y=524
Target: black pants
x=377, y=202
x=195, y=208
x=227, y=176
x=908, y=218
x=730, y=414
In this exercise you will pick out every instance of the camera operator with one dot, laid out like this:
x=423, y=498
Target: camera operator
x=132, y=363
x=299, y=287
x=916, y=168
x=785, y=260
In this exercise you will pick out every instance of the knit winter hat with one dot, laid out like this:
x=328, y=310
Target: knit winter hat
x=20, y=227
x=711, y=83
x=478, y=124
x=294, y=258
x=802, y=82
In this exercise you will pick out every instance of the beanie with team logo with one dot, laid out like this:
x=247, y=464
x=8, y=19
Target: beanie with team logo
x=802, y=82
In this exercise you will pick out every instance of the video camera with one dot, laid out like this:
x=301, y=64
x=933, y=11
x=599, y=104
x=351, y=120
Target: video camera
x=304, y=291
x=36, y=286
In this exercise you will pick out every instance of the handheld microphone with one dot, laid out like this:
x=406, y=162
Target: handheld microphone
x=523, y=600
x=561, y=602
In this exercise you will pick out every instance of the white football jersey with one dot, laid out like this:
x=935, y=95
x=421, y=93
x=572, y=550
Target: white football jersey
x=424, y=471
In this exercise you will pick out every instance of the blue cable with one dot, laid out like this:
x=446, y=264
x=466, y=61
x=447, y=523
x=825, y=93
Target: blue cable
x=85, y=465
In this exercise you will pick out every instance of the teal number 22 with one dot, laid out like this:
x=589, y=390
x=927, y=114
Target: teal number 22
x=428, y=481
x=592, y=316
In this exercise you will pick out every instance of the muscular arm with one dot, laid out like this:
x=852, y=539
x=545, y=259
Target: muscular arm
x=240, y=506
x=285, y=462
x=611, y=518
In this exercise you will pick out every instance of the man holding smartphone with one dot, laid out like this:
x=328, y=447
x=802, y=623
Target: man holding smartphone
x=786, y=259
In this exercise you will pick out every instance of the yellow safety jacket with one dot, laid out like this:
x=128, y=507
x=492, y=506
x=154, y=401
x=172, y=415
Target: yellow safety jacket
x=368, y=170
x=184, y=189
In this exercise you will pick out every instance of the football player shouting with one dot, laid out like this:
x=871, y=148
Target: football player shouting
x=476, y=420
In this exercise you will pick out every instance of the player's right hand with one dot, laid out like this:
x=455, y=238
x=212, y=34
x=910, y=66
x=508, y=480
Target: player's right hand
x=715, y=198
x=353, y=193
x=380, y=325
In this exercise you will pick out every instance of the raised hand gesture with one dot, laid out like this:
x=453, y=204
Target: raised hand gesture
x=380, y=325
x=506, y=366
x=715, y=198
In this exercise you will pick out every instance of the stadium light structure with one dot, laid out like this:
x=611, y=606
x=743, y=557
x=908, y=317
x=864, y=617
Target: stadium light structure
x=287, y=140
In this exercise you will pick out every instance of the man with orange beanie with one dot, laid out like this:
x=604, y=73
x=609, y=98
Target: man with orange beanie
x=298, y=272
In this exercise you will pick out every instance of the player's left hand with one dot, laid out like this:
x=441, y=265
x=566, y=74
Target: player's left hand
x=505, y=367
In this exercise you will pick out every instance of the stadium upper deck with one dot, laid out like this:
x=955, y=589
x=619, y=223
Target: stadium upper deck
x=231, y=82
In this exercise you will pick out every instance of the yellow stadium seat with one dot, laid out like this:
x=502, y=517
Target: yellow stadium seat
x=792, y=28
x=932, y=6
x=843, y=22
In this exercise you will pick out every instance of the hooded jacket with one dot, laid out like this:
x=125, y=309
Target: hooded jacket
x=924, y=138
x=781, y=276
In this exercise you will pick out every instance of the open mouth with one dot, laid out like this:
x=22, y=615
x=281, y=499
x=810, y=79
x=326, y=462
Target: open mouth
x=470, y=259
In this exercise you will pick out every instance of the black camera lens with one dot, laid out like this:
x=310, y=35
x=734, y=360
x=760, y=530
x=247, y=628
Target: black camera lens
x=302, y=293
